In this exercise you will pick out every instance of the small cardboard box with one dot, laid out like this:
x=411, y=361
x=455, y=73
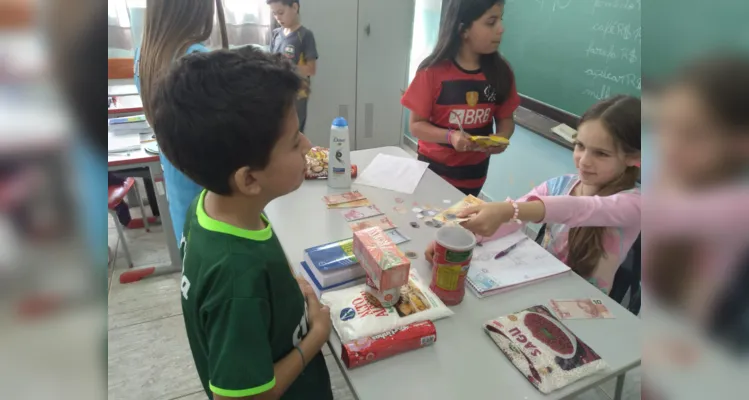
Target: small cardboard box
x=384, y=263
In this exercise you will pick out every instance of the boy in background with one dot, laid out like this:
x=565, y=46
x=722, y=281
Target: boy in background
x=227, y=120
x=296, y=43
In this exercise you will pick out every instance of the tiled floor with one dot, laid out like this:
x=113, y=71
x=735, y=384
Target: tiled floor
x=149, y=356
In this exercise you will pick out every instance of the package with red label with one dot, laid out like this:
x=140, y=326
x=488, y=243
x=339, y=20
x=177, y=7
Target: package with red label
x=382, y=298
x=543, y=349
x=399, y=340
x=384, y=262
x=317, y=164
x=355, y=316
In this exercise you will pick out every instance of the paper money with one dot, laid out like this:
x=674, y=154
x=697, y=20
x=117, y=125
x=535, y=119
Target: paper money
x=397, y=237
x=383, y=222
x=581, y=309
x=451, y=214
x=352, y=204
x=357, y=213
x=343, y=198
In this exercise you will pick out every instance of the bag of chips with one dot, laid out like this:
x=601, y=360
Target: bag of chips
x=543, y=349
x=356, y=314
x=317, y=164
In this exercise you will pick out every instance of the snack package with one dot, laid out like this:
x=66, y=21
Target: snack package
x=355, y=317
x=317, y=164
x=449, y=216
x=399, y=340
x=545, y=351
x=384, y=262
x=490, y=141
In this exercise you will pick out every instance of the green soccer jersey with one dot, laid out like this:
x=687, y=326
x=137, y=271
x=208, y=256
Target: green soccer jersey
x=243, y=309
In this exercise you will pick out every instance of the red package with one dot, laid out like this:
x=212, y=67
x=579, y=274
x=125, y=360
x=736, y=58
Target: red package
x=400, y=340
x=317, y=164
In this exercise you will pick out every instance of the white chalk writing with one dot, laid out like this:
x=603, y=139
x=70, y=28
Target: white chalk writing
x=554, y=4
x=618, y=29
x=624, y=79
x=609, y=54
x=618, y=4
x=604, y=93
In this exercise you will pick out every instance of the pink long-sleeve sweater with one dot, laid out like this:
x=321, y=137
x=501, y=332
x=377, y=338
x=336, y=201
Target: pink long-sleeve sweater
x=619, y=212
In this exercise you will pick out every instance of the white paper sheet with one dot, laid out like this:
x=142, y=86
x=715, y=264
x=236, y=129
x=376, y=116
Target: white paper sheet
x=393, y=173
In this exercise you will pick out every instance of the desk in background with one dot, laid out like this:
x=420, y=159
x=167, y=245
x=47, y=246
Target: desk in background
x=142, y=159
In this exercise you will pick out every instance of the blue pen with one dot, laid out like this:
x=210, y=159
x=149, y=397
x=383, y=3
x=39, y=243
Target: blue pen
x=504, y=252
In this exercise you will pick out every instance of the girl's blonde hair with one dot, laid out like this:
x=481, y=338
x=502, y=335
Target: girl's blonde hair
x=621, y=117
x=171, y=27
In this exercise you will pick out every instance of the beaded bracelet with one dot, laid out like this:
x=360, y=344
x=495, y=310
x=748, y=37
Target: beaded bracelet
x=449, y=136
x=514, y=205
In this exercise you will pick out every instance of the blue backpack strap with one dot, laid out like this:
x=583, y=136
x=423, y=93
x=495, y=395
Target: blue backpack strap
x=197, y=48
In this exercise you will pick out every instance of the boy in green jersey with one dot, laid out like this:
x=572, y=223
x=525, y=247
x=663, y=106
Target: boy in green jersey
x=227, y=120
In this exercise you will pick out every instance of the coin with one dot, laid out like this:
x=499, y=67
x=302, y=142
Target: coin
x=414, y=224
x=411, y=254
x=429, y=223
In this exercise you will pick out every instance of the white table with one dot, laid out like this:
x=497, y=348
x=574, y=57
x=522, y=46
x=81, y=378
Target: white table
x=464, y=362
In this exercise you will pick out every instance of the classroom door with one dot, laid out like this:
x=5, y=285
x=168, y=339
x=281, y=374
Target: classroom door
x=384, y=43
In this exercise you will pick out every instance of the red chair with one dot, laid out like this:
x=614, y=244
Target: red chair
x=116, y=196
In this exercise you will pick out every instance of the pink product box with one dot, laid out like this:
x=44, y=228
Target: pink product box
x=384, y=263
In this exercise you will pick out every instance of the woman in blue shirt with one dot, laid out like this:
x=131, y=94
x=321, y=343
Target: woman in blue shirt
x=173, y=29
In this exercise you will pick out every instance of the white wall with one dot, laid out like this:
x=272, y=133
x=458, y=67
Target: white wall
x=381, y=59
x=382, y=70
x=334, y=24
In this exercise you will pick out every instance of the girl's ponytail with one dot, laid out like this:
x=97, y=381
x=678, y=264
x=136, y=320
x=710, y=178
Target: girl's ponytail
x=585, y=243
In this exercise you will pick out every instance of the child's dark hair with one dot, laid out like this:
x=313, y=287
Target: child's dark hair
x=286, y=3
x=723, y=83
x=220, y=111
x=621, y=116
x=457, y=19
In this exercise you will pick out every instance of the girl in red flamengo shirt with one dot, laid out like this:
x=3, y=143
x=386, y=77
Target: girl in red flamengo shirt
x=464, y=82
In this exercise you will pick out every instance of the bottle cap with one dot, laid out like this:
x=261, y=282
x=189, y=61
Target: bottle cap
x=340, y=122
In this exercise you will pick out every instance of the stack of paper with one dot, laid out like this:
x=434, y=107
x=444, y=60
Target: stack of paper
x=384, y=169
x=525, y=263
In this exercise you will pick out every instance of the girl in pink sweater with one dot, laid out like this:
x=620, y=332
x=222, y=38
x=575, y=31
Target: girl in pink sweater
x=592, y=218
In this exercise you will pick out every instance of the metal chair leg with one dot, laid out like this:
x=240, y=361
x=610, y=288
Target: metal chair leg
x=123, y=242
x=138, y=197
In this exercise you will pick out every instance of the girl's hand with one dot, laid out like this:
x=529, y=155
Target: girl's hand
x=485, y=219
x=461, y=142
x=496, y=149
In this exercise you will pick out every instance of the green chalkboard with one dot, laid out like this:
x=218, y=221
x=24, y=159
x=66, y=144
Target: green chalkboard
x=571, y=53
x=682, y=30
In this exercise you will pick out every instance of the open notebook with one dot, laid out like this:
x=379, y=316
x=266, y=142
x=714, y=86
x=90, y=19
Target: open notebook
x=526, y=263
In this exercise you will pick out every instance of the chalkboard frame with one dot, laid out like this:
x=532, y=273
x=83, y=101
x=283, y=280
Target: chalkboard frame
x=552, y=113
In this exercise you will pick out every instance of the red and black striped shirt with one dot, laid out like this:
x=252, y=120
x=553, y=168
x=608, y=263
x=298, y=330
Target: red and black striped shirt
x=446, y=94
